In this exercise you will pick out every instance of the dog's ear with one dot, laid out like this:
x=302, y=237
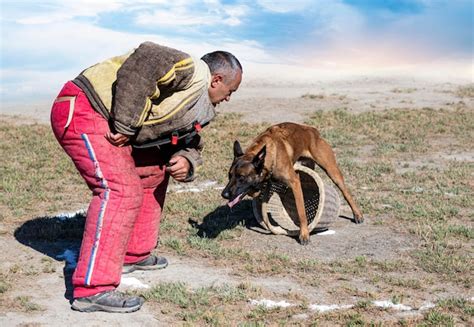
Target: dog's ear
x=259, y=159
x=237, y=149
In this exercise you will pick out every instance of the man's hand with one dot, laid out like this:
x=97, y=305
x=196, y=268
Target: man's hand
x=117, y=139
x=178, y=168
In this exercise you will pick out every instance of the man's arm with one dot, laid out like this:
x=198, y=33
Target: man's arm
x=193, y=155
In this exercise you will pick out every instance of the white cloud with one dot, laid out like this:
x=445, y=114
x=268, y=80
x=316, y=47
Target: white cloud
x=176, y=18
x=66, y=48
x=76, y=42
x=338, y=28
x=176, y=14
x=22, y=85
x=339, y=20
x=46, y=56
x=43, y=19
x=234, y=14
x=284, y=6
x=69, y=47
x=150, y=12
x=65, y=10
x=347, y=39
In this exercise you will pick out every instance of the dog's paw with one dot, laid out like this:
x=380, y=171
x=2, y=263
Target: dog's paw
x=304, y=240
x=359, y=219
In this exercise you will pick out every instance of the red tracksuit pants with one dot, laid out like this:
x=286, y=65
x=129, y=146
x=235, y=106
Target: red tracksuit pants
x=128, y=191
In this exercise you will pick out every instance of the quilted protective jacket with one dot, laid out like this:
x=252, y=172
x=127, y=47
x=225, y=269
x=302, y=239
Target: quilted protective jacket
x=154, y=94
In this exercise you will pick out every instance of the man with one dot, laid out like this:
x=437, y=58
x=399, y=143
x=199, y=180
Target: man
x=129, y=123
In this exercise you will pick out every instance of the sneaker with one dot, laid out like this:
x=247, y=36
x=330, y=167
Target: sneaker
x=151, y=263
x=108, y=301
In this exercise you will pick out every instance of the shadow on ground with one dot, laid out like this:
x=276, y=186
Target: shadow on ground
x=57, y=237
x=223, y=218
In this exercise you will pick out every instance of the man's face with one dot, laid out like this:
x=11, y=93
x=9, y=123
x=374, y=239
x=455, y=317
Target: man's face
x=220, y=91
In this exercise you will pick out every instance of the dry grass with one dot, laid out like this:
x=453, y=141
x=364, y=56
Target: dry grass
x=431, y=200
x=465, y=91
x=31, y=166
x=404, y=90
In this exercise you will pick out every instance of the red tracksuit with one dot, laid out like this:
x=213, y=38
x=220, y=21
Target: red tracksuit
x=128, y=189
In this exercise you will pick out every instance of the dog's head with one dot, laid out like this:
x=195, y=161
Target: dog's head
x=245, y=175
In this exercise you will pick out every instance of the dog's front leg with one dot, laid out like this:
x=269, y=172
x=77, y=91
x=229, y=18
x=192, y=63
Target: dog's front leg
x=299, y=200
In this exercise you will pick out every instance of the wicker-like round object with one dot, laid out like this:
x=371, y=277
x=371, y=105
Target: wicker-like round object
x=275, y=208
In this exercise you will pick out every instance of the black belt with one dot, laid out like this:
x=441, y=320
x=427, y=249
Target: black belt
x=172, y=138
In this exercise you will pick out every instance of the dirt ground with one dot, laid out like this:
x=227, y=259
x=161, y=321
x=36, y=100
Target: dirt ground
x=257, y=102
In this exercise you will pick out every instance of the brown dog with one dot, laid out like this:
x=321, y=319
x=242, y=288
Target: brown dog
x=272, y=156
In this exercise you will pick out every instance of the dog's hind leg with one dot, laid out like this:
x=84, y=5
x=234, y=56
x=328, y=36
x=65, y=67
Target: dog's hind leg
x=324, y=156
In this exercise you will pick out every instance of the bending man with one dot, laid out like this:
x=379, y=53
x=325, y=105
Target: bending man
x=129, y=123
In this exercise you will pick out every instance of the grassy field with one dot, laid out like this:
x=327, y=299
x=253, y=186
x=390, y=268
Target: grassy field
x=401, y=165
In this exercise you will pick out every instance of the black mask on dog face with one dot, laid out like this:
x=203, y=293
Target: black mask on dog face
x=245, y=175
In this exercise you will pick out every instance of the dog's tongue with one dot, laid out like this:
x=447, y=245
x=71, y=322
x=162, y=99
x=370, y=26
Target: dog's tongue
x=234, y=201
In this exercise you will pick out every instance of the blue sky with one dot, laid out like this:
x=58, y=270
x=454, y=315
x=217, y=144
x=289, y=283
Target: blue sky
x=45, y=43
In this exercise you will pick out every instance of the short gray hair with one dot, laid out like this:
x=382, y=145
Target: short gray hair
x=222, y=62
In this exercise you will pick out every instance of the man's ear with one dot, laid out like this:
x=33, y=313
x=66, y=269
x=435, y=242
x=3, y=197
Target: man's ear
x=215, y=79
x=259, y=159
x=237, y=149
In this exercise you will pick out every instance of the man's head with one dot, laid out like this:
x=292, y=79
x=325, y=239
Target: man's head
x=226, y=75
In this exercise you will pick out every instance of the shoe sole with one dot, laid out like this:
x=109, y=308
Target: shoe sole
x=132, y=268
x=93, y=307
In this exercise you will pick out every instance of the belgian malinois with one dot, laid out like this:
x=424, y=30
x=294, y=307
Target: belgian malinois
x=272, y=156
